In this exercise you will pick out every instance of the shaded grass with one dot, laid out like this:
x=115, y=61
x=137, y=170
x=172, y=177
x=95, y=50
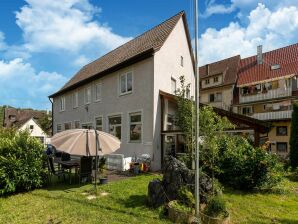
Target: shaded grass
x=125, y=203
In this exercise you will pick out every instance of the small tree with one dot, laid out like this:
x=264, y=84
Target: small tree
x=294, y=137
x=45, y=122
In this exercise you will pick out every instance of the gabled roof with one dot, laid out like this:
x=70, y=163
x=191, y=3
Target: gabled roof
x=228, y=67
x=17, y=117
x=250, y=72
x=135, y=50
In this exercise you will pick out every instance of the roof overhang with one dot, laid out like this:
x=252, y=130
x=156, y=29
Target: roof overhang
x=267, y=80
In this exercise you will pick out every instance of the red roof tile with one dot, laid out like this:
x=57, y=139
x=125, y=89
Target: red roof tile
x=251, y=72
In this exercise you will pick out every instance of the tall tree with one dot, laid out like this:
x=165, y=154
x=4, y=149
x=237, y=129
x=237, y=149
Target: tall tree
x=294, y=137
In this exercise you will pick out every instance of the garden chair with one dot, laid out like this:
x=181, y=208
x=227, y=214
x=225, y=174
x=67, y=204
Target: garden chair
x=55, y=171
x=85, y=168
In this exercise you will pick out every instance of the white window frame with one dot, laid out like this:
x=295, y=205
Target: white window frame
x=132, y=83
x=140, y=111
x=102, y=122
x=70, y=125
x=62, y=103
x=88, y=88
x=57, y=128
x=108, y=122
x=75, y=99
x=95, y=92
x=74, y=124
x=173, y=80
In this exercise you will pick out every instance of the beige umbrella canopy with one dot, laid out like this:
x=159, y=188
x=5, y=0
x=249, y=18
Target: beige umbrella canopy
x=82, y=142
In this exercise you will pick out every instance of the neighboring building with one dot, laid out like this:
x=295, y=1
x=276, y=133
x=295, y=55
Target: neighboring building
x=217, y=82
x=172, y=137
x=23, y=119
x=119, y=93
x=267, y=86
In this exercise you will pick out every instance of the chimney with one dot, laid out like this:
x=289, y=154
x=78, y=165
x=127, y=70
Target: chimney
x=207, y=69
x=259, y=55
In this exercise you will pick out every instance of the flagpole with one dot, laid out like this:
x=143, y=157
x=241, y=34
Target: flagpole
x=197, y=103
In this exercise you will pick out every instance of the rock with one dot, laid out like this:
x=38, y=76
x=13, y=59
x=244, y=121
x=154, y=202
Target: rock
x=156, y=193
x=175, y=176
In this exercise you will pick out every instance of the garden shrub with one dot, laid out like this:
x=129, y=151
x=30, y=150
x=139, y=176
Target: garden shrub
x=242, y=166
x=21, y=162
x=216, y=207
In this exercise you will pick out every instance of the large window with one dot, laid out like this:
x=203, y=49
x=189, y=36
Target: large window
x=173, y=85
x=59, y=128
x=98, y=92
x=67, y=126
x=281, y=147
x=62, y=103
x=281, y=131
x=115, y=126
x=98, y=123
x=75, y=99
x=87, y=95
x=126, y=83
x=87, y=126
x=135, y=127
x=77, y=124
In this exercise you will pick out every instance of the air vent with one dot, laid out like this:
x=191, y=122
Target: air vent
x=275, y=67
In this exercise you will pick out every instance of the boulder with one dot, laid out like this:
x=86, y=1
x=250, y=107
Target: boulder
x=175, y=176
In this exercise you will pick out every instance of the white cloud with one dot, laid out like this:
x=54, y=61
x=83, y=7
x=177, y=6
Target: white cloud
x=272, y=29
x=51, y=25
x=22, y=86
x=3, y=45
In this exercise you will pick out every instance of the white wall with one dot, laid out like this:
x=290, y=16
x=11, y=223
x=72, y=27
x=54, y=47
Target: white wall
x=141, y=99
x=167, y=66
x=36, y=131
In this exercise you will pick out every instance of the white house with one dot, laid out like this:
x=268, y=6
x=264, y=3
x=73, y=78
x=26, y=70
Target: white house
x=34, y=129
x=119, y=93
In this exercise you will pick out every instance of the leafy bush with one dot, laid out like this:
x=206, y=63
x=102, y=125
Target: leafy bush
x=216, y=207
x=21, y=162
x=186, y=197
x=244, y=167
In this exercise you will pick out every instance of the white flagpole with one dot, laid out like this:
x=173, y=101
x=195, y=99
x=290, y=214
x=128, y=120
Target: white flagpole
x=197, y=93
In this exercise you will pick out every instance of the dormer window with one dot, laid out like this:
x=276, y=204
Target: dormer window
x=12, y=118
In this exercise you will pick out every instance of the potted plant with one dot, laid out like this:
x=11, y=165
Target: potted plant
x=103, y=179
x=215, y=211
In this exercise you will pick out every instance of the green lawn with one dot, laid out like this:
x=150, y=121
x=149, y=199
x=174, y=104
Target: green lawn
x=264, y=207
x=125, y=203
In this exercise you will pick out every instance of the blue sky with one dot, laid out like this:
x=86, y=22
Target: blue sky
x=43, y=43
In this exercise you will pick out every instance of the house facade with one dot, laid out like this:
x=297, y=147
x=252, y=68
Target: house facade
x=218, y=81
x=267, y=89
x=119, y=92
x=25, y=119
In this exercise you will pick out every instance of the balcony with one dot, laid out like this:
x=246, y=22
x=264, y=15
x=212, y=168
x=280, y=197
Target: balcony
x=274, y=115
x=270, y=94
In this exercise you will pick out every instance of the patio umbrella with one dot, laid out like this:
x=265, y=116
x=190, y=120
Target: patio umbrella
x=82, y=142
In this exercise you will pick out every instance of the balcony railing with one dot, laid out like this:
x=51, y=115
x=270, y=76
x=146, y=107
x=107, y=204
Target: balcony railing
x=276, y=115
x=270, y=94
x=220, y=105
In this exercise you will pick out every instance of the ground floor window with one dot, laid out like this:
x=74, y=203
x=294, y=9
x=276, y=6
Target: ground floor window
x=115, y=126
x=40, y=138
x=67, y=126
x=281, y=147
x=87, y=126
x=98, y=123
x=135, y=127
x=77, y=124
x=59, y=128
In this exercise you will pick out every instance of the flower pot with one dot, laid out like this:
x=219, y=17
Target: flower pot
x=177, y=216
x=214, y=220
x=103, y=180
